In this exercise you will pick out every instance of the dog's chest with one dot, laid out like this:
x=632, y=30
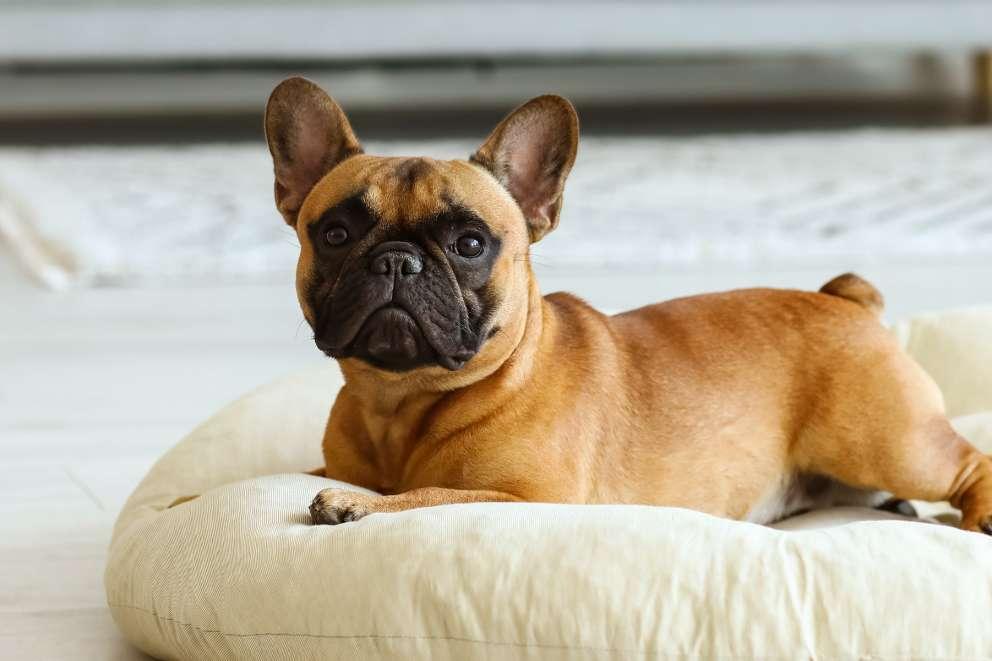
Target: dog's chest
x=392, y=440
x=389, y=454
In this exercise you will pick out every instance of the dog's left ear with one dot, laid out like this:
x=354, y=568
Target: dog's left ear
x=531, y=153
x=308, y=134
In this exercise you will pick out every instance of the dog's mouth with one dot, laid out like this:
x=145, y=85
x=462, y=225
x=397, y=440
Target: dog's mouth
x=392, y=339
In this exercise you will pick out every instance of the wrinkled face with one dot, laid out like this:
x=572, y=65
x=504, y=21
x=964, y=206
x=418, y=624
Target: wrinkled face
x=412, y=263
x=399, y=272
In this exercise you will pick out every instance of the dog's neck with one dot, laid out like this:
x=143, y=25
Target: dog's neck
x=394, y=408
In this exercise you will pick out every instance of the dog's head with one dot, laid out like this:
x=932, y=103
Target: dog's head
x=414, y=263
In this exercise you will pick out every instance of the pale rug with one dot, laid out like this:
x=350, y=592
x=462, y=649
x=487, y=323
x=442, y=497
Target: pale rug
x=130, y=216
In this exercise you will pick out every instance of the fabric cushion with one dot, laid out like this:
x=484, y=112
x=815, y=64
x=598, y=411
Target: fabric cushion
x=239, y=572
x=956, y=349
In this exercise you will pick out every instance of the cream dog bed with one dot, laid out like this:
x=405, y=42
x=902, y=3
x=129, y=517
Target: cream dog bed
x=239, y=573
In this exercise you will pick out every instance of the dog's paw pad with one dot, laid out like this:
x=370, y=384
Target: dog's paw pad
x=899, y=506
x=334, y=506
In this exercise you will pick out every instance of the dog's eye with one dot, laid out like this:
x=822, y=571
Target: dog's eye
x=336, y=235
x=469, y=246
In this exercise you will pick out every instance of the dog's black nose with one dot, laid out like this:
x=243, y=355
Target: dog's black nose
x=394, y=257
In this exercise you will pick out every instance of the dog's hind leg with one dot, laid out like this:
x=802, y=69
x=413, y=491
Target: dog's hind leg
x=881, y=425
x=933, y=462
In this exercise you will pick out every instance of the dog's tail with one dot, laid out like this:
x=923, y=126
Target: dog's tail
x=857, y=290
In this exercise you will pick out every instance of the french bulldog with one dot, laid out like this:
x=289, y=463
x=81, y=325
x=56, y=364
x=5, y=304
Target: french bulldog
x=462, y=383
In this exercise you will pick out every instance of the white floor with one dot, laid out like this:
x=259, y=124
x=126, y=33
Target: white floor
x=95, y=384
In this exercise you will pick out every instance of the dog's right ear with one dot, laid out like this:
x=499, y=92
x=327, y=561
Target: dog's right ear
x=308, y=134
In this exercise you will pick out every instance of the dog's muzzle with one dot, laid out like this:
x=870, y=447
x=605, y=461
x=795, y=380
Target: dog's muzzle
x=401, y=330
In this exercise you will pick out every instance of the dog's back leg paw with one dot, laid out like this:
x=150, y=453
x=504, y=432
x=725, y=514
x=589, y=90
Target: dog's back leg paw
x=899, y=506
x=972, y=493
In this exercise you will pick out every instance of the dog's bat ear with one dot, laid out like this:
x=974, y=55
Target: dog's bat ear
x=308, y=134
x=531, y=153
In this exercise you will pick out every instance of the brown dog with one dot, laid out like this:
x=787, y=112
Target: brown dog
x=463, y=384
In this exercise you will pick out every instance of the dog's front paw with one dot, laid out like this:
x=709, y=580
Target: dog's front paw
x=334, y=506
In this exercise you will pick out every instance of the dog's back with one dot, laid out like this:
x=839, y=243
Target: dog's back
x=746, y=387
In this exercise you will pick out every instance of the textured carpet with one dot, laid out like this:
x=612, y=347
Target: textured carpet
x=125, y=216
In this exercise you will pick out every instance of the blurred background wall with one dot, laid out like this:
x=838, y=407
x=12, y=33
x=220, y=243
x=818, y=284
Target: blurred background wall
x=77, y=70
